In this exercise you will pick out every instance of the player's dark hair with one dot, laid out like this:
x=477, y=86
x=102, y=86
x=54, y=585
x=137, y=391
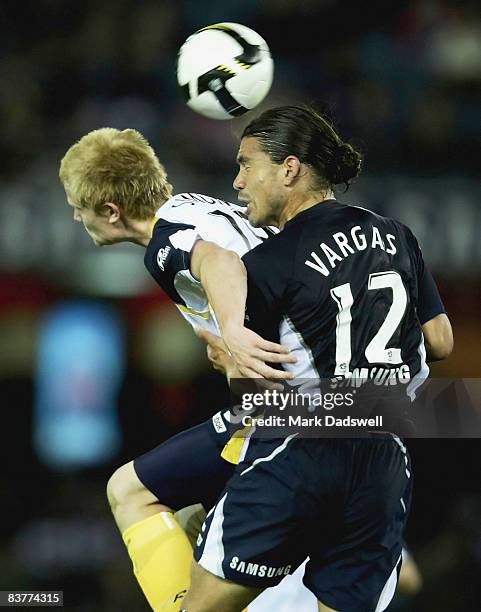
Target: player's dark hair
x=300, y=131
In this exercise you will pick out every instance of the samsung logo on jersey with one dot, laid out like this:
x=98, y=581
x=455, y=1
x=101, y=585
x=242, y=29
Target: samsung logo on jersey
x=254, y=569
x=162, y=256
x=348, y=245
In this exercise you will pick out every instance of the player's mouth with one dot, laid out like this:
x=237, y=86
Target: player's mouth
x=248, y=205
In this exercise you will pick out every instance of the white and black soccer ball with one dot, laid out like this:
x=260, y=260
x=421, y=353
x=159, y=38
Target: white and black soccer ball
x=224, y=70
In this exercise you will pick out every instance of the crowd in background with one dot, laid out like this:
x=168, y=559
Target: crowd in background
x=403, y=77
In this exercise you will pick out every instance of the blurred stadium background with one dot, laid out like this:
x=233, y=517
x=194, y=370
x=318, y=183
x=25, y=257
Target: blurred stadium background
x=96, y=367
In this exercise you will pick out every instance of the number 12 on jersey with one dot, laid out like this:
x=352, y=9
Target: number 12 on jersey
x=376, y=351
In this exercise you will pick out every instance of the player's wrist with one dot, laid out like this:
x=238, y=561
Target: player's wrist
x=231, y=330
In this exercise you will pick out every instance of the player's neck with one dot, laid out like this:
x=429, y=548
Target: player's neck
x=297, y=205
x=139, y=231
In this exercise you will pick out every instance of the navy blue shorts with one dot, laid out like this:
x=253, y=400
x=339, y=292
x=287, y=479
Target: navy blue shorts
x=341, y=502
x=187, y=468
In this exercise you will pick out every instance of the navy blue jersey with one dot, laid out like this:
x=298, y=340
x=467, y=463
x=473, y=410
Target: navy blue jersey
x=340, y=286
x=430, y=304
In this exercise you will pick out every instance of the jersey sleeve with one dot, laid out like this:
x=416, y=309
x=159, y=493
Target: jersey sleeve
x=267, y=282
x=430, y=304
x=168, y=254
x=429, y=301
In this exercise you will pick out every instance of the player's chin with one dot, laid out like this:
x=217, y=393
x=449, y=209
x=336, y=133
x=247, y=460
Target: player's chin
x=106, y=241
x=252, y=218
x=97, y=240
x=256, y=221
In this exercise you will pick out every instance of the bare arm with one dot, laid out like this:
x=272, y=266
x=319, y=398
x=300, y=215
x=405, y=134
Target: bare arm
x=222, y=361
x=438, y=337
x=224, y=279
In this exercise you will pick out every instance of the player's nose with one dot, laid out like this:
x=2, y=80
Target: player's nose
x=239, y=182
x=76, y=215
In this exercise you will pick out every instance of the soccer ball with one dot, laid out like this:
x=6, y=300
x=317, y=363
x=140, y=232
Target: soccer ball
x=224, y=70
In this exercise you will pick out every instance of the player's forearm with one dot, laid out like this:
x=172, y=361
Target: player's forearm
x=224, y=279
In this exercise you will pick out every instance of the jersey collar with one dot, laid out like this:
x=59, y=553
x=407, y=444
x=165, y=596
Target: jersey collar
x=322, y=207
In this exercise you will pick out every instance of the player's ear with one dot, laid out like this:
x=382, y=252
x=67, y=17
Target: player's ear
x=112, y=212
x=292, y=169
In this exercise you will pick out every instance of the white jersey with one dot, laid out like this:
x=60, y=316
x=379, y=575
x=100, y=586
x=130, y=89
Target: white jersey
x=288, y=595
x=181, y=221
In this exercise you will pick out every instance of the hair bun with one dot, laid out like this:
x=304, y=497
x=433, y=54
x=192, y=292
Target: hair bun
x=346, y=164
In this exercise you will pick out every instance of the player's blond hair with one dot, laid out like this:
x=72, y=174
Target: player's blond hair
x=109, y=165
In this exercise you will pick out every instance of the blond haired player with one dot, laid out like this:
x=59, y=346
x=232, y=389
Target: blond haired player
x=119, y=191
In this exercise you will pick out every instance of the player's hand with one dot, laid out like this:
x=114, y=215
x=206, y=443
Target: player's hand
x=222, y=361
x=251, y=353
x=217, y=352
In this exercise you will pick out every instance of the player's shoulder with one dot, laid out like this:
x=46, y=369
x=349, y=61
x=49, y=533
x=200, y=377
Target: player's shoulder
x=192, y=206
x=171, y=230
x=280, y=246
x=373, y=217
x=356, y=212
x=215, y=220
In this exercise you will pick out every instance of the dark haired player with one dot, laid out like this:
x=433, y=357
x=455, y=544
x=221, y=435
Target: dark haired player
x=341, y=287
